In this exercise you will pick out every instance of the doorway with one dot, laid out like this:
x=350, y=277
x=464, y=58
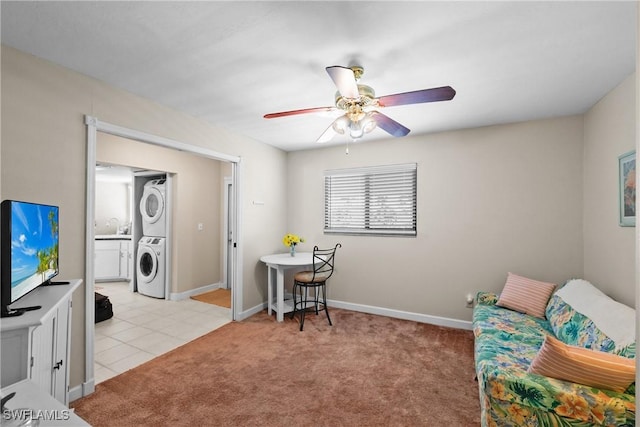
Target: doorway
x=233, y=259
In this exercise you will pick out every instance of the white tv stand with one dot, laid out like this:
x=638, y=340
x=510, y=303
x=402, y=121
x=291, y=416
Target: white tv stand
x=36, y=344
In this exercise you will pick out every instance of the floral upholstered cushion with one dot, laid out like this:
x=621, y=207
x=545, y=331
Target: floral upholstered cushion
x=570, y=409
x=613, y=318
x=486, y=298
x=574, y=328
x=506, y=343
x=491, y=319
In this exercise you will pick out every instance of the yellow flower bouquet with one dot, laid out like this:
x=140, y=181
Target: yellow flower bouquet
x=291, y=240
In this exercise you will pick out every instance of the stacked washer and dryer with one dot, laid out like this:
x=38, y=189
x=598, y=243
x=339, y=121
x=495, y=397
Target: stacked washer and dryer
x=151, y=259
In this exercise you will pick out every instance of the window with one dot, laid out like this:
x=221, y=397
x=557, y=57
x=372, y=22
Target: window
x=377, y=200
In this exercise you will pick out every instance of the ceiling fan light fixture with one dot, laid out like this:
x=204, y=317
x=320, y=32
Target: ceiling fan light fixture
x=358, y=128
x=341, y=125
x=368, y=123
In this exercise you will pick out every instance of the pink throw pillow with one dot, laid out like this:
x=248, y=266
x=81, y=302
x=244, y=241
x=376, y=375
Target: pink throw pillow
x=526, y=295
x=579, y=365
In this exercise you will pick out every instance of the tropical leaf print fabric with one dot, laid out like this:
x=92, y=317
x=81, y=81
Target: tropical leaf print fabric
x=506, y=342
x=574, y=328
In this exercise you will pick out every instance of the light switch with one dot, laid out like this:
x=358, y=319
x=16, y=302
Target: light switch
x=200, y=226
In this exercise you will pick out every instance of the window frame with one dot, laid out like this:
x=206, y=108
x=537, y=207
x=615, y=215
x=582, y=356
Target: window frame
x=373, y=179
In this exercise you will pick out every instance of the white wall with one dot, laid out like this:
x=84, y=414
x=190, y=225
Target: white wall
x=609, y=249
x=490, y=200
x=112, y=206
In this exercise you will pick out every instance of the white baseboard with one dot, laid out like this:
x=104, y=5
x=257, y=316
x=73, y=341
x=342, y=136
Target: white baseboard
x=177, y=296
x=398, y=314
x=81, y=390
x=406, y=315
x=253, y=310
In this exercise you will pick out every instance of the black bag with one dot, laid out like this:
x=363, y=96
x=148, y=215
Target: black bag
x=104, y=310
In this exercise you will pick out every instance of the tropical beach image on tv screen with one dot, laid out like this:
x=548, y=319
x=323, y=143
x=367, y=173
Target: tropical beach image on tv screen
x=34, y=246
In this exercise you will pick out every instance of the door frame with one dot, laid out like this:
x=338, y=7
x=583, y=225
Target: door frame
x=94, y=125
x=228, y=229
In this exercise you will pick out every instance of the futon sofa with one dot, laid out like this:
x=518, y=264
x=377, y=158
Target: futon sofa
x=510, y=343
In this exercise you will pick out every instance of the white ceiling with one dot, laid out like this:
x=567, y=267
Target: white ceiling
x=229, y=63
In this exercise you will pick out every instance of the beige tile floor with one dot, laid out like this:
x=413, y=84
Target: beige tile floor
x=143, y=327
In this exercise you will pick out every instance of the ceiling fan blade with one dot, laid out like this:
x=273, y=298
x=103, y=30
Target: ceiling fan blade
x=444, y=93
x=337, y=127
x=296, y=112
x=327, y=135
x=345, y=81
x=389, y=125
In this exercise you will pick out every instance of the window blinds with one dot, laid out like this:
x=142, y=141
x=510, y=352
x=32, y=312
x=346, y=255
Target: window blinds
x=372, y=200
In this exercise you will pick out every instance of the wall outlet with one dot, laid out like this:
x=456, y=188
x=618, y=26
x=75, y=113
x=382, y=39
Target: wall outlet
x=469, y=300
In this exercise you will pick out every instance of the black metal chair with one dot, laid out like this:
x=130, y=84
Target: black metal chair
x=323, y=264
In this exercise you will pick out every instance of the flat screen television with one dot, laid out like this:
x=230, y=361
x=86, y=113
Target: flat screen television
x=28, y=250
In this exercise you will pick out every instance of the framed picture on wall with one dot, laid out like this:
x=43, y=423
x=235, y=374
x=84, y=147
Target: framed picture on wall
x=627, y=172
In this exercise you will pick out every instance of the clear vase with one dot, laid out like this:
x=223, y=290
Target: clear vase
x=292, y=250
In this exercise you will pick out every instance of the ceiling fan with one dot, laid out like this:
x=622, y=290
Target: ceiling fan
x=360, y=105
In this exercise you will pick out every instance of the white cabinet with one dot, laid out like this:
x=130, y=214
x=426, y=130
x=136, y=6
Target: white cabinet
x=113, y=259
x=49, y=344
x=36, y=345
x=126, y=259
x=107, y=260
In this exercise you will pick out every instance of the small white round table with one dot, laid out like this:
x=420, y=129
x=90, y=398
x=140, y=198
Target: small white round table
x=277, y=264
